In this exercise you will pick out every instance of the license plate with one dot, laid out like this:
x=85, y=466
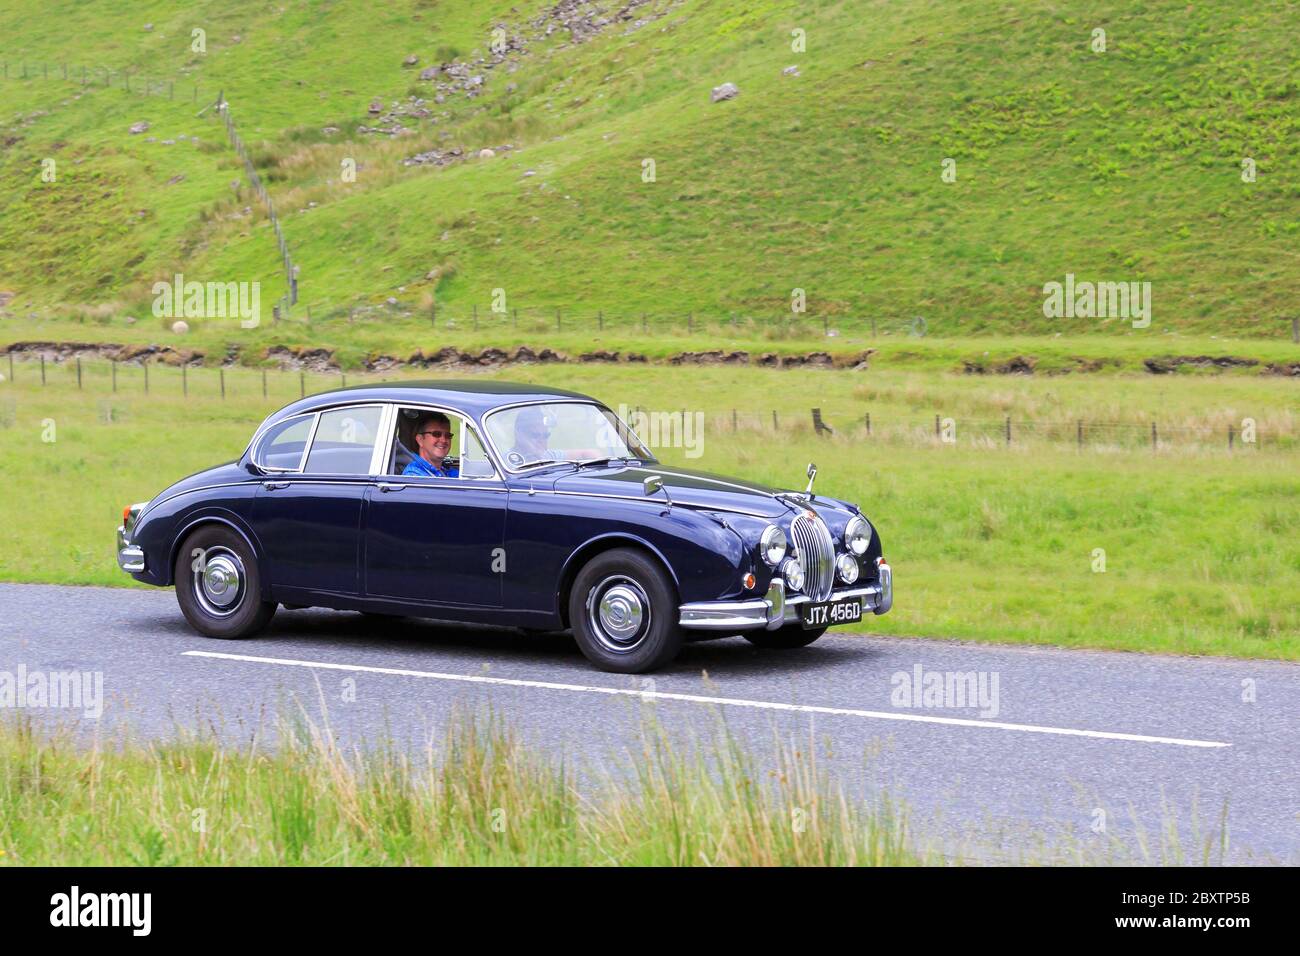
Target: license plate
x=830, y=613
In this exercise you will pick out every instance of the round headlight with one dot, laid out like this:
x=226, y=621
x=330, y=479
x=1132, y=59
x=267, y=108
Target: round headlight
x=857, y=534
x=772, y=545
x=847, y=566
x=794, y=575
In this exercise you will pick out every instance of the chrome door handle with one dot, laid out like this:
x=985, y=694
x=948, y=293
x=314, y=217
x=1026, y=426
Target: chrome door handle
x=273, y=485
x=386, y=486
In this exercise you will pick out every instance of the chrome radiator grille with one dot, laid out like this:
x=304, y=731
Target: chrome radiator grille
x=817, y=554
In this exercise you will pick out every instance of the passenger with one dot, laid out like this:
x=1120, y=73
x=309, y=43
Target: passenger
x=433, y=442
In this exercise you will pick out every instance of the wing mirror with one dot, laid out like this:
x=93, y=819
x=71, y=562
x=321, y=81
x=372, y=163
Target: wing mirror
x=812, y=476
x=655, y=484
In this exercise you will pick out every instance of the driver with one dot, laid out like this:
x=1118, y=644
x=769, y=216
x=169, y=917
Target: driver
x=433, y=441
x=532, y=429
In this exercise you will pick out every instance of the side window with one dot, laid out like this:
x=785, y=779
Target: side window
x=474, y=462
x=345, y=441
x=283, y=444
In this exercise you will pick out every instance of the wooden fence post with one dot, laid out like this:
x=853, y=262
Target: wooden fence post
x=114, y=375
x=222, y=371
x=264, y=383
x=1008, y=431
x=145, y=363
x=185, y=381
x=1079, y=433
x=868, y=423
x=42, y=369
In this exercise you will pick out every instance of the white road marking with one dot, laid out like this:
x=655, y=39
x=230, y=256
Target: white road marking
x=700, y=699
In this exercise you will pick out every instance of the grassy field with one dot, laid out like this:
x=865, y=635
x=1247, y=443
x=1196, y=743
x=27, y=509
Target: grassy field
x=989, y=541
x=1122, y=165
x=475, y=796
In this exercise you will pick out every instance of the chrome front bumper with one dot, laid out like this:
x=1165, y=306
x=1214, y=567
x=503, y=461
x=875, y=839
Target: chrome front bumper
x=129, y=557
x=775, y=609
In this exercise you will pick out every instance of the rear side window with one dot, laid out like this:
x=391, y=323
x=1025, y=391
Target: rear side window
x=282, y=446
x=345, y=441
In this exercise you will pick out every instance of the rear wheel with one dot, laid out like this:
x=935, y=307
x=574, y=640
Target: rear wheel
x=218, y=585
x=623, y=608
x=788, y=636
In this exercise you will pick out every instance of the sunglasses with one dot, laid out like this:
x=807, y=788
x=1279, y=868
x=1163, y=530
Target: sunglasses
x=438, y=434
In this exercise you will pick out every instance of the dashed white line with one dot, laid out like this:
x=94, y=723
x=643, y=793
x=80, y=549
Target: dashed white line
x=725, y=701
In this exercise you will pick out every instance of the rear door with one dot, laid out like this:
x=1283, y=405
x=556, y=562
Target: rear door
x=309, y=519
x=438, y=540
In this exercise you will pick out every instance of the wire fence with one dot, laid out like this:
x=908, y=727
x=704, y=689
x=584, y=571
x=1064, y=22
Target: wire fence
x=269, y=388
x=129, y=79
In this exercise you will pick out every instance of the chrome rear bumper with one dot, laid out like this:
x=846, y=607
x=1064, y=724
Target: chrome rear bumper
x=775, y=609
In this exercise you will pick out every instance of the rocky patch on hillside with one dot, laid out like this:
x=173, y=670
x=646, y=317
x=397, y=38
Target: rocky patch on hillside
x=59, y=352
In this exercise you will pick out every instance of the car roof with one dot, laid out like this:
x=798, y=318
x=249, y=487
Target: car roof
x=474, y=397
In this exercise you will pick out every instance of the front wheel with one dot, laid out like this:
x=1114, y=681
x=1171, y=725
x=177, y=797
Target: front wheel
x=218, y=585
x=623, y=608
x=787, y=637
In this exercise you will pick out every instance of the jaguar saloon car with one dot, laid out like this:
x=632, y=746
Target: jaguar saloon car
x=495, y=503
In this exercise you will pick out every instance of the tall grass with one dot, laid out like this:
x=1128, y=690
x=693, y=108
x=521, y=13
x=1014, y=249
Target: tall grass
x=474, y=796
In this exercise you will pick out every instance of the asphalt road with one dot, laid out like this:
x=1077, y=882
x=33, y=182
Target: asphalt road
x=1058, y=737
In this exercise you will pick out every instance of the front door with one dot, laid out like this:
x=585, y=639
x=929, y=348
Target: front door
x=438, y=540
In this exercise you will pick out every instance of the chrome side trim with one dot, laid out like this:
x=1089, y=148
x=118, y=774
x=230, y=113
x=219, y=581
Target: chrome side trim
x=716, y=481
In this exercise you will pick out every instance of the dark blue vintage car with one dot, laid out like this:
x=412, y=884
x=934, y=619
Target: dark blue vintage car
x=546, y=513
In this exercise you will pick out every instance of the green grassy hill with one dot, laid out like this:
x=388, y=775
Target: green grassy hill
x=1118, y=165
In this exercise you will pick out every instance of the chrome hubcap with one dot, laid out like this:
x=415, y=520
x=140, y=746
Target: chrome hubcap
x=618, y=611
x=219, y=584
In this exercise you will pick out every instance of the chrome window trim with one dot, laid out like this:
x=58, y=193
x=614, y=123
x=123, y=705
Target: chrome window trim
x=558, y=400
x=302, y=466
x=387, y=426
x=450, y=412
x=311, y=432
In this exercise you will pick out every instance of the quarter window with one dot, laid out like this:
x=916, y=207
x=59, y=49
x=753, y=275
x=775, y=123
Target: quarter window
x=282, y=446
x=345, y=441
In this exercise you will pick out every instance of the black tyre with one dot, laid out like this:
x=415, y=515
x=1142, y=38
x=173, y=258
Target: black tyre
x=787, y=636
x=219, y=586
x=623, y=609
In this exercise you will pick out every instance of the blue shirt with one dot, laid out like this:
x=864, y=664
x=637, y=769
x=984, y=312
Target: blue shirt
x=419, y=468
